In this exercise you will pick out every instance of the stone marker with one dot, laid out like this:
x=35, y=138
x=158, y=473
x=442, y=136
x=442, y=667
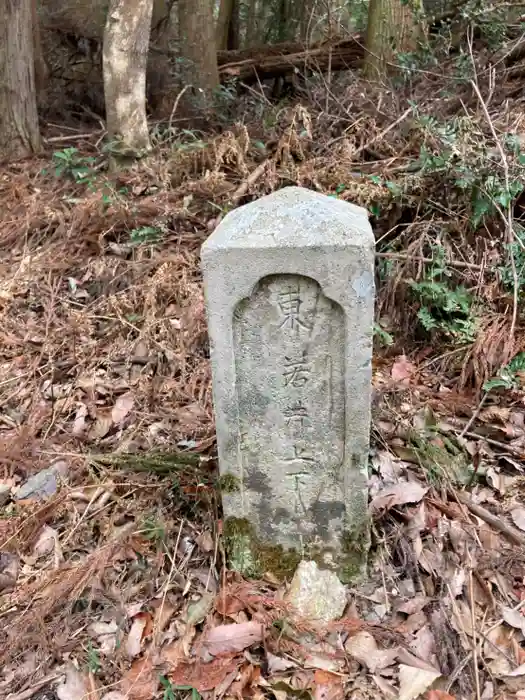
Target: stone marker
x=289, y=286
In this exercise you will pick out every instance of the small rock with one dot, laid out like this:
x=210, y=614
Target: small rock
x=5, y=494
x=9, y=566
x=43, y=484
x=317, y=595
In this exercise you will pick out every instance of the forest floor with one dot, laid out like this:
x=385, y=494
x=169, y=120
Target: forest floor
x=113, y=582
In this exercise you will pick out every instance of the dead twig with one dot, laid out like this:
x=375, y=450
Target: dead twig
x=474, y=635
x=250, y=180
x=460, y=264
x=72, y=137
x=29, y=692
x=176, y=104
x=510, y=532
x=507, y=217
x=474, y=415
x=383, y=133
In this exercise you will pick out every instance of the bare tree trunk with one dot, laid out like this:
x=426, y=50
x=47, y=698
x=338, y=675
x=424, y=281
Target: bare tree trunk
x=283, y=18
x=158, y=72
x=19, y=131
x=223, y=24
x=199, y=55
x=41, y=67
x=234, y=28
x=251, y=24
x=305, y=21
x=125, y=57
x=394, y=27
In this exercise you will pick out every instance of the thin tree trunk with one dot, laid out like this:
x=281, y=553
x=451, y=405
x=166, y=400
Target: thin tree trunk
x=125, y=57
x=198, y=52
x=41, y=67
x=19, y=131
x=223, y=24
x=282, y=20
x=234, y=28
x=305, y=21
x=394, y=27
x=251, y=24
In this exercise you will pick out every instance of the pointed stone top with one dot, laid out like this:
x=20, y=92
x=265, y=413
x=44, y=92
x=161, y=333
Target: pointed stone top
x=293, y=217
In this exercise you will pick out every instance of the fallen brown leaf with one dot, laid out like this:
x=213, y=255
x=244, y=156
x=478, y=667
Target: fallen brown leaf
x=179, y=650
x=518, y=516
x=203, y=676
x=229, y=605
x=100, y=427
x=414, y=605
x=234, y=637
x=137, y=633
x=122, y=407
x=414, y=681
x=74, y=687
x=363, y=647
x=328, y=686
x=247, y=677
x=514, y=618
x=163, y=614
x=141, y=681
x=402, y=370
x=410, y=492
x=276, y=664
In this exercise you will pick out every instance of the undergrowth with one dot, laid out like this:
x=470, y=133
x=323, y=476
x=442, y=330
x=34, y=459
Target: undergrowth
x=440, y=168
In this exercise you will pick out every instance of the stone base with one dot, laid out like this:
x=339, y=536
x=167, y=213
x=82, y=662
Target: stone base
x=252, y=558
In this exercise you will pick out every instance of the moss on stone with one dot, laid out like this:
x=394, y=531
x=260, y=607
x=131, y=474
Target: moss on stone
x=251, y=557
x=356, y=545
x=228, y=483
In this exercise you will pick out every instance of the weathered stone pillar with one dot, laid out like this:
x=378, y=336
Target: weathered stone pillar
x=289, y=284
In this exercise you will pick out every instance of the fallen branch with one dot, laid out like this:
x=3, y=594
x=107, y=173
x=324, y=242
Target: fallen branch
x=279, y=59
x=250, y=180
x=453, y=263
x=508, y=531
x=347, y=53
x=383, y=133
x=151, y=462
x=33, y=689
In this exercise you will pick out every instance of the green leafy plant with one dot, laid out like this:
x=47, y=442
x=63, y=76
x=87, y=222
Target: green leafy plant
x=144, y=234
x=490, y=20
x=384, y=338
x=168, y=689
x=458, y=151
x=507, y=375
x=70, y=163
x=442, y=307
x=93, y=663
x=153, y=529
x=517, y=248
